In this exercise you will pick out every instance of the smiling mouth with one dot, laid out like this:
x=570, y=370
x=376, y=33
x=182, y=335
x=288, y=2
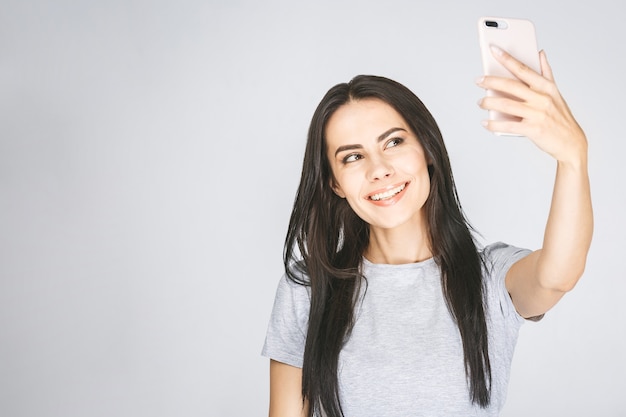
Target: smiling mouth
x=387, y=194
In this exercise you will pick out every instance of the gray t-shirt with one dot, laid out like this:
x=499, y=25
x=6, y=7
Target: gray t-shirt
x=404, y=356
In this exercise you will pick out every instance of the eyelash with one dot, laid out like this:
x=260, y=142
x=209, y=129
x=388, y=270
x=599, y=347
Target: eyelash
x=346, y=159
x=350, y=158
x=397, y=140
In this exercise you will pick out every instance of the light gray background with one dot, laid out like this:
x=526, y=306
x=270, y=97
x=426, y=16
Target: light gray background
x=150, y=152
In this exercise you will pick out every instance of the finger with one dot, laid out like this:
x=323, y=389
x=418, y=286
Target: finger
x=508, y=87
x=509, y=106
x=517, y=68
x=521, y=111
x=546, y=69
x=504, y=127
x=512, y=126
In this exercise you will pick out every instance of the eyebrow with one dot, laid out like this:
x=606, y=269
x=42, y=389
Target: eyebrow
x=380, y=138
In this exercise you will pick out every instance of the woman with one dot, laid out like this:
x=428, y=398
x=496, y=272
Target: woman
x=391, y=309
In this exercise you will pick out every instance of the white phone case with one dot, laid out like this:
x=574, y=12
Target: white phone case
x=517, y=37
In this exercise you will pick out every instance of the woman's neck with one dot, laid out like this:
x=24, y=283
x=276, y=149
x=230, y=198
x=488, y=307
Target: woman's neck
x=398, y=246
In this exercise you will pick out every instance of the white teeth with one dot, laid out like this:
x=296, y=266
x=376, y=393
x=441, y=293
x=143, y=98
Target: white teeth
x=387, y=194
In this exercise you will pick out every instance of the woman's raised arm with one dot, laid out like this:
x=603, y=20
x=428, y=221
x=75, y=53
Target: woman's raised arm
x=537, y=282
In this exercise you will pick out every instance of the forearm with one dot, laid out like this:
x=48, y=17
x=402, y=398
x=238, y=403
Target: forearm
x=569, y=227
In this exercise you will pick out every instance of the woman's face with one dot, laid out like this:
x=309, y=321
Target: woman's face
x=378, y=164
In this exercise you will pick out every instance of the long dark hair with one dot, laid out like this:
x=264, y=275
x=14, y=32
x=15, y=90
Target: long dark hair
x=328, y=239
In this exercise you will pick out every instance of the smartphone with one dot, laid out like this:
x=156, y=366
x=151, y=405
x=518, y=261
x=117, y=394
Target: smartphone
x=518, y=38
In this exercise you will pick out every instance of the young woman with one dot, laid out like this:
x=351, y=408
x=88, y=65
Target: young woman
x=388, y=307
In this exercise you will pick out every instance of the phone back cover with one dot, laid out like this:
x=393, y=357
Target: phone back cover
x=518, y=39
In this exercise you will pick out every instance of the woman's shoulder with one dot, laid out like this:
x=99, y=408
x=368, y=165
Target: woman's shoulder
x=287, y=329
x=296, y=275
x=294, y=285
x=499, y=252
x=498, y=257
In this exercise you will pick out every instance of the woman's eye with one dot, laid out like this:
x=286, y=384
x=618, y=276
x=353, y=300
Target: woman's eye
x=351, y=158
x=394, y=142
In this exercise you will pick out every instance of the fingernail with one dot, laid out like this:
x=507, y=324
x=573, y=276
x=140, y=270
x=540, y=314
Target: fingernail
x=480, y=80
x=484, y=123
x=479, y=102
x=496, y=50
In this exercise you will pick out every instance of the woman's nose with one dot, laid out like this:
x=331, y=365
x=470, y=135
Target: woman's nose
x=379, y=169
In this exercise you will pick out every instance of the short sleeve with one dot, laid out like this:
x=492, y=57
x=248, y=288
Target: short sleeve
x=287, y=329
x=498, y=258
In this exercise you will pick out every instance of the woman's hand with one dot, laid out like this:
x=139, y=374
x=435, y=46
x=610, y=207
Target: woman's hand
x=544, y=117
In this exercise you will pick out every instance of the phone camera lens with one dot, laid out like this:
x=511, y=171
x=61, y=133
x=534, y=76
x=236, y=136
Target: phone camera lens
x=491, y=23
